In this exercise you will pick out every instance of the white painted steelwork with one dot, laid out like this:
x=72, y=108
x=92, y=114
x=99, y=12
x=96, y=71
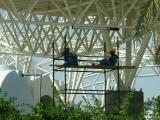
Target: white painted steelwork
x=29, y=28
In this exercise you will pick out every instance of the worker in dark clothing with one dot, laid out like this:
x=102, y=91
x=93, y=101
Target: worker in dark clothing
x=65, y=52
x=112, y=60
x=70, y=58
x=104, y=61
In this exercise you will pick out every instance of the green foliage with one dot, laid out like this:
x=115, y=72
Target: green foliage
x=127, y=108
x=152, y=108
x=147, y=12
x=7, y=109
x=157, y=55
x=96, y=110
x=92, y=111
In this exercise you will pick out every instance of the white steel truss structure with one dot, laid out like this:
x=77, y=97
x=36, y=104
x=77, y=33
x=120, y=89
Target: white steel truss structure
x=28, y=30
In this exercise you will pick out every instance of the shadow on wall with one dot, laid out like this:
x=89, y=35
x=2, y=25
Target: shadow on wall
x=47, y=100
x=46, y=88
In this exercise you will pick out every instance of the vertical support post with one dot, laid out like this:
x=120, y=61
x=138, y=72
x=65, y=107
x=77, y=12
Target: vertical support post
x=65, y=74
x=65, y=82
x=118, y=82
x=53, y=76
x=105, y=97
x=137, y=61
x=40, y=91
x=105, y=79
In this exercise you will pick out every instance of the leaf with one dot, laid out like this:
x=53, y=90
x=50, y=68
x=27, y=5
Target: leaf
x=146, y=14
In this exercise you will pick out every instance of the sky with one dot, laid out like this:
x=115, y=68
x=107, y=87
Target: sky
x=150, y=85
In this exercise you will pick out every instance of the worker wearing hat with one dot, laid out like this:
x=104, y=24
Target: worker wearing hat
x=112, y=60
x=113, y=50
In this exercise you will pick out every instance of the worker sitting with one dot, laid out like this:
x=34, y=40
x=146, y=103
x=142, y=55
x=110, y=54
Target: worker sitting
x=112, y=60
x=70, y=58
x=105, y=61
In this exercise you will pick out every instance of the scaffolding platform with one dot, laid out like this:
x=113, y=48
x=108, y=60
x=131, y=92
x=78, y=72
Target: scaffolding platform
x=95, y=66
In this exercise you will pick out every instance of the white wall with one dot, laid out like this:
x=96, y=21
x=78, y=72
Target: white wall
x=12, y=82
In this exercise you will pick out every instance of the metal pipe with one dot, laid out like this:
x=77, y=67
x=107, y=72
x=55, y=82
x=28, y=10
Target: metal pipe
x=82, y=93
x=53, y=77
x=83, y=90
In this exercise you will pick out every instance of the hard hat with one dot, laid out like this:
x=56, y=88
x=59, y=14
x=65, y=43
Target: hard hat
x=113, y=50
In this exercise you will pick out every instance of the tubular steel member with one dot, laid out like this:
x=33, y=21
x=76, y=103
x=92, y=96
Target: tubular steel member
x=53, y=76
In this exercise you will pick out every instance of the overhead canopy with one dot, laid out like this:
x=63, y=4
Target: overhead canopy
x=73, y=7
